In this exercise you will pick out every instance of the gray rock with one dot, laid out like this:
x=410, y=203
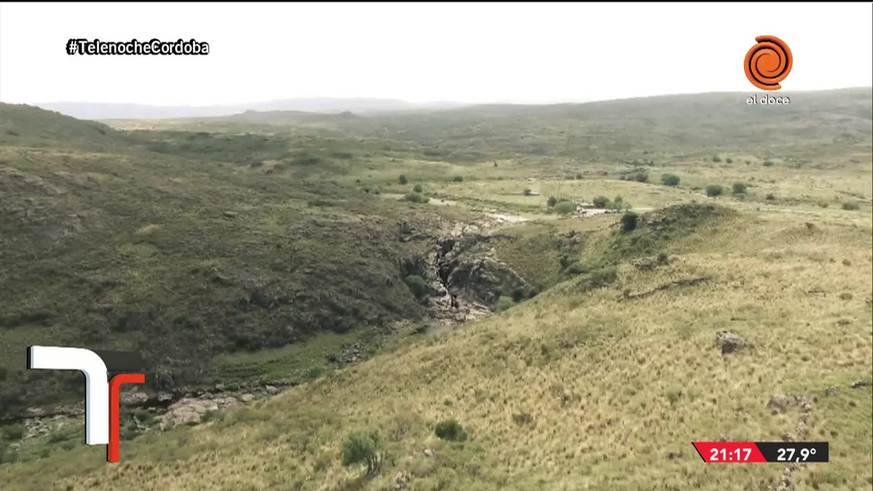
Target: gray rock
x=729, y=342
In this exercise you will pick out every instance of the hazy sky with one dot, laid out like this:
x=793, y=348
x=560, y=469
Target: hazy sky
x=424, y=52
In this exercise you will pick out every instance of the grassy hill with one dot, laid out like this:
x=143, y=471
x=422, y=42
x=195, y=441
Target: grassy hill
x=216, y=235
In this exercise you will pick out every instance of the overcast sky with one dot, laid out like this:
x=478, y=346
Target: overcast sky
x=424, y=52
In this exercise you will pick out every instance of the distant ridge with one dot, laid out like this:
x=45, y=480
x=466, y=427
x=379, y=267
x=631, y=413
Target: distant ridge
x=88, y=110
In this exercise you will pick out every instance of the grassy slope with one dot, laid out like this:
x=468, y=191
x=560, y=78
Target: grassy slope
x=615, y=387
x=154, y=243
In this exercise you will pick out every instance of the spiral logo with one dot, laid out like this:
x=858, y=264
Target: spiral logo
x=768, y=62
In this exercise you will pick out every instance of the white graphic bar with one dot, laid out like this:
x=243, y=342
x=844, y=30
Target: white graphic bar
x=96, y=384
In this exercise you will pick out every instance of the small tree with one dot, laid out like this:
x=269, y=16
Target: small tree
x=739, y=188
x=402, y=179
x=362, y=448
x=629, y=221
x=450, y=430
x=713, y=190
x=670, y=179
x=600, y=202
x=565, y=207
x=417, y=286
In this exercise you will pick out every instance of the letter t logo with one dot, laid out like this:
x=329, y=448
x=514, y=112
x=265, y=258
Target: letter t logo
x=101, y=413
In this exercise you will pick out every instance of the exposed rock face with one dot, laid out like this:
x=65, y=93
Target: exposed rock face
x=467, y=268
x=191, y=410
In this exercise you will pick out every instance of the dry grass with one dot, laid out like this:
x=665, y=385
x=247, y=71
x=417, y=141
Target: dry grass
x=612, y=390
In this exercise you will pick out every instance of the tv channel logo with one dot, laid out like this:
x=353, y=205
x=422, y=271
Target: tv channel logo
x=101, y=393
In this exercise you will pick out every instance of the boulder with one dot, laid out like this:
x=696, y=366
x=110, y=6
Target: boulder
x=729, y=342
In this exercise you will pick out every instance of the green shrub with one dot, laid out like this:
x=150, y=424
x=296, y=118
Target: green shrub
x=565, y=207
x=450, y=430
x=503, y=302
x=739, y=188
x=551, y=202
x=629, y=221
x=528, y=192
x=14, y=432
x=849, y=205
x=362, y=448
x=768, y=163
x=416, y=198
x=600, y=202
x=670, y=180
x=402, y=179
x=417, y=188
x=618, y=204
x=575, y=268
x=599, y=278
x=714, y=190
x=770, y=197
x=639, y=176
x=716, y=158
x=458, y=179
x=417, y=285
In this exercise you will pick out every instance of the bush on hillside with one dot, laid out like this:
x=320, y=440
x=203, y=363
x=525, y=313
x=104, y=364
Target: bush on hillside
x=362, y=448
x=417, y=286
x=565, y=207
x=670, y=180
x=417, y=188
x=713, y=190
x=450, y=430
x=739, y=188
x=629, y=221
x=402, y=179
x=503, y=302
x=600, y=202
x=416, y=198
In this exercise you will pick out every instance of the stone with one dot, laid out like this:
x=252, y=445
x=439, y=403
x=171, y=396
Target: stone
x=729, y=342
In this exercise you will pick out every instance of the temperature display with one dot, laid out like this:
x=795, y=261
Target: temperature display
x=741, y=452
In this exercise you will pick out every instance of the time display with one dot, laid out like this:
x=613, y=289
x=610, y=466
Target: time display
x=739, y=454
x=742, y=452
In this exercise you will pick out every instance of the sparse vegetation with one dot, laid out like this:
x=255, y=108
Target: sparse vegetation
x=415, y=197
x=600, y=202
x=739, y=188
x=288, y=272
x=450, y=430
x=565, y=207
x=629, y=221
x=713, y=190
x=362, y=448
x=670, y=179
